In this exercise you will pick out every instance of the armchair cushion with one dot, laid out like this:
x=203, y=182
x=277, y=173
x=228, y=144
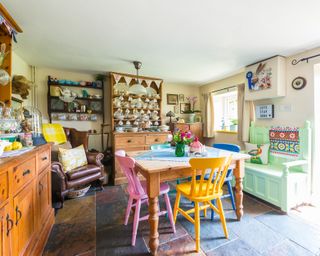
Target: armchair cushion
x=55, y=150
x=83, y=171
x=72, y=158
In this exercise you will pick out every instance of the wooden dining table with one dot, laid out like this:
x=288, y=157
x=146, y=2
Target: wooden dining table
x=156, y=170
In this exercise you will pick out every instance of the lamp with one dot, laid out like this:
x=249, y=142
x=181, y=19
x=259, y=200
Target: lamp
x=137, y=88
x=170, y=114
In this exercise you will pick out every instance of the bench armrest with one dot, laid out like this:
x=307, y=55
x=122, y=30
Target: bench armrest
x=295, y=163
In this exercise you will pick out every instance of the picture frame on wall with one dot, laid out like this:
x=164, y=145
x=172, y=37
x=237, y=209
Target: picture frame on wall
x=185, y=107
x=181, y=97
x=176, y=109
x=172, y=99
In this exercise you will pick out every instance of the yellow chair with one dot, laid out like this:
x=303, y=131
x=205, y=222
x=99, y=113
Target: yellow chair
x=203, y=191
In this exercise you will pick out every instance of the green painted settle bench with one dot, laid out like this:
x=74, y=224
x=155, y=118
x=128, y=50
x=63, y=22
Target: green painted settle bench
x=283, y=182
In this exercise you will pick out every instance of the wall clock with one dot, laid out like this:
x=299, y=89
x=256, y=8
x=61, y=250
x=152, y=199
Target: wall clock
x=299, y=83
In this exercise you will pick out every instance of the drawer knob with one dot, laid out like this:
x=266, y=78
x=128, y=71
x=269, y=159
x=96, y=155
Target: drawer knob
x=9, y=224
x=44, y=158
x=156, y=140
x=26, y=172
x=129, y=141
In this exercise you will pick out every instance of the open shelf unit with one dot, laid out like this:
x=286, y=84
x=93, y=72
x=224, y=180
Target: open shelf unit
x=126, y=104
x=65, y=110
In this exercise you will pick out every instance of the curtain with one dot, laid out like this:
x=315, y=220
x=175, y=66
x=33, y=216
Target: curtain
x=209, y=116
x=246, y=114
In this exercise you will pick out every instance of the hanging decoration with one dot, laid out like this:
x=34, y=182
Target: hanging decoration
x=148, y=82
x=117, y=78
x=128, y=79
x=10, y=29
x=158, y=83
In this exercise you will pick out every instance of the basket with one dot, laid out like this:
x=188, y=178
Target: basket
x=78, y=191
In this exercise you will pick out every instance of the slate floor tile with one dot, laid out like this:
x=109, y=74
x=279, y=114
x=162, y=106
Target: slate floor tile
x=286, y=248
x=294, y=229
x=164, y=229
x=211, y=233
x=71, y=239
x=116, y=240
x=255, y=234
x=182, y=246
x=234, y=248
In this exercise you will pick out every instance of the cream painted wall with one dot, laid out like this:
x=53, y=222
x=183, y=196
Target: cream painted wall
x=187, y=90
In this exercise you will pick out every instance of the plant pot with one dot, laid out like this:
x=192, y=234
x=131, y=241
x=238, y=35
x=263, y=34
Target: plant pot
x=233, y=127
x=180, y=149
x=191, y=117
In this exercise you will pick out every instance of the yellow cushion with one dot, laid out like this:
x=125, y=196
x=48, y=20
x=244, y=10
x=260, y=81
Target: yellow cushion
x=72, y=158
x=54, y=133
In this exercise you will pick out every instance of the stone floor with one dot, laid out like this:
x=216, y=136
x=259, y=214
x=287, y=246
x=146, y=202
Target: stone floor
x=93, y=225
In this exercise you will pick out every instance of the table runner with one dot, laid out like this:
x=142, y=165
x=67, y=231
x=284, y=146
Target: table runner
x=169, y=155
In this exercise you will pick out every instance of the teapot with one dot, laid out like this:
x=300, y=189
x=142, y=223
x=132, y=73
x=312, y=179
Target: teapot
x=65, y=92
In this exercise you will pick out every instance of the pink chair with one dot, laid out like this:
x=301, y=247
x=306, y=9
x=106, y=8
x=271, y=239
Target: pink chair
x=137, y=192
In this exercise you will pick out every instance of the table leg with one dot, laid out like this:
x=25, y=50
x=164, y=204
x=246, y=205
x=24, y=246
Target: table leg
x=239, y=174
x=153, y=187
x=153, y=221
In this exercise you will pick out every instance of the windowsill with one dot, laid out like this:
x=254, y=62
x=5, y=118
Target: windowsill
x=226, y=131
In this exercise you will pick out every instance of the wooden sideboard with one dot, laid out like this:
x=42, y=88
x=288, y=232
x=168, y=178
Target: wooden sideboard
x=131, y=141
x=26, y=214
x=195, y=128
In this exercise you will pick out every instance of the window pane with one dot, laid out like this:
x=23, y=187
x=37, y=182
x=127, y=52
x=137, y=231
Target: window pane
x=226, y=111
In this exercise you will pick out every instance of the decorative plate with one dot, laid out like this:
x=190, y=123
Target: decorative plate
x=299, y=83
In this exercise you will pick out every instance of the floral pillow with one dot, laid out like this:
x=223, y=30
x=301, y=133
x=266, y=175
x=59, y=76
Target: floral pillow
x=259, y=153
x=72, y=158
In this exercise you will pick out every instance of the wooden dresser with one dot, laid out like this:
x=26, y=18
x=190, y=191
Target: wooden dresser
x=130, y=141
x=26, y=213
x=195, y=128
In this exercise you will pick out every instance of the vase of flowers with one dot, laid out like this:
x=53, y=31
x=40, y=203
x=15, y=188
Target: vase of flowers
x=182, y=139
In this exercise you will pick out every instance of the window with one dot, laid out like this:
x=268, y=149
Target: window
x=226, y=111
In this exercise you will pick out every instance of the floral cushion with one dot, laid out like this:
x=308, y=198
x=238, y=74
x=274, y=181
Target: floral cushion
x=259, y=153
x=72, y=158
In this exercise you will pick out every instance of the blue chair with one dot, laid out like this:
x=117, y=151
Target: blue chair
x=233, y=148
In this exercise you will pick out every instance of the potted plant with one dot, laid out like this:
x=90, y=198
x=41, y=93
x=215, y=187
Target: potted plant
x=234, y=125
x=192, y=112
x=181, y=139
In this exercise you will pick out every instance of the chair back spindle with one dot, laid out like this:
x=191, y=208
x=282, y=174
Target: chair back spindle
x=127, y=165
x=218, y=170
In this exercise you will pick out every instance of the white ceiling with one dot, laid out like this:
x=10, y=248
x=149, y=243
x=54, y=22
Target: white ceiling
x=182, y=41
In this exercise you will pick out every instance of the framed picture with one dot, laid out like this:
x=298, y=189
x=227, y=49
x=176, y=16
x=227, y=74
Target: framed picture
x=184, y=107
x=181, y=97
x=172, y=99
x=176, y=109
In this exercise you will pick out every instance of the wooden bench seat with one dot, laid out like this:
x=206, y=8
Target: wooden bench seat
x=283, y=182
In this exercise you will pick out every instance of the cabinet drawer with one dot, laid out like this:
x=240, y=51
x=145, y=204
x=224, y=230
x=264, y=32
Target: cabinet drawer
x=4, y=187
x=130, y=141
x=43, y=159
x=130, y=148
x=183, y=127
x=24, y=173
x=156, y=139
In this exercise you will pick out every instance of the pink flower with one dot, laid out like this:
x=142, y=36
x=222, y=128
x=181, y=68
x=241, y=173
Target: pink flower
x=183, y=135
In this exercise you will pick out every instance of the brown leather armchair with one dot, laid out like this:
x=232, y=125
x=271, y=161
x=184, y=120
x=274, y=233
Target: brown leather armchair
x=92, y=172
